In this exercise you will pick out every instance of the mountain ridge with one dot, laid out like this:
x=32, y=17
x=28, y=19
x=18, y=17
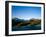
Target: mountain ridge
x=22, y=22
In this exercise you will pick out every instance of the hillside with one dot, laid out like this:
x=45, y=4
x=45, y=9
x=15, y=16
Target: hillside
x=21, y=22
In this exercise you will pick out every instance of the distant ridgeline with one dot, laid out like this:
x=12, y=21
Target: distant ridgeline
x=21, y=22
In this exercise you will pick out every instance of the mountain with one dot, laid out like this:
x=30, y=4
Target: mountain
x=16, y=21
x=19, y=20
x=22, y=22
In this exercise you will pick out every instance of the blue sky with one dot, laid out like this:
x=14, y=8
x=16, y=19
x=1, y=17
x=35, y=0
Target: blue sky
x=26, y=12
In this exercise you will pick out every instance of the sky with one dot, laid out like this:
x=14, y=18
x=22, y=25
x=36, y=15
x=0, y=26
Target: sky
x=26, y=12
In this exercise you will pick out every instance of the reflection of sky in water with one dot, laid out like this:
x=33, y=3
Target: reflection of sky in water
x=28, y=27
x=26, y=12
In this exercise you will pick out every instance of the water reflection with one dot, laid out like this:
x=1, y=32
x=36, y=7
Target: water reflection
x=28, y=27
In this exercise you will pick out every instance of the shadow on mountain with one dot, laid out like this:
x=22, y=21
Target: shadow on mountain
x=21, y=24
